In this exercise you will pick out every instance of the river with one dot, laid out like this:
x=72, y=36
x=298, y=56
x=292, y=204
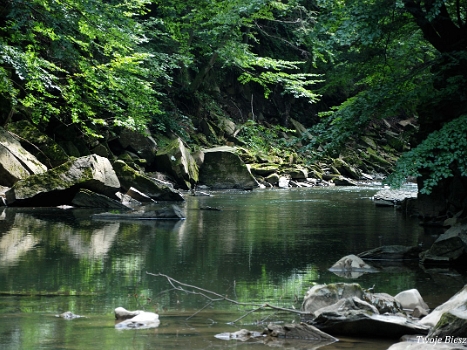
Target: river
x=260, y=246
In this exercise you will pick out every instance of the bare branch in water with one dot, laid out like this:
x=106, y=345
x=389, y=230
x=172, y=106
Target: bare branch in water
x=213, y=297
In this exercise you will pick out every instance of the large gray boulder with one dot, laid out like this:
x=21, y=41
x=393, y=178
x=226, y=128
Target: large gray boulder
x=350, y=321
x=323, y=295
x=141, y=320
x=347, y=309
x=129, y=178
x=15, y=162
x=449, y=248
x=176, y=160
x=223, y=169
x=450, y=318
x=59, y=185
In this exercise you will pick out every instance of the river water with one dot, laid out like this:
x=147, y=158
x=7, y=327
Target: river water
x=261, y=246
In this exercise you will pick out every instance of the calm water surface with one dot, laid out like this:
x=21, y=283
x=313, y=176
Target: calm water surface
x=262, y=246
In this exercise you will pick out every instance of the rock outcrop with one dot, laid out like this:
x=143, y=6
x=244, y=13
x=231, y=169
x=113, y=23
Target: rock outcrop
x=16, y=163
x=176, y=160
x=59, y=185
x=347, y=309
x=449, y=248
x=223, y=169
x=129, y=178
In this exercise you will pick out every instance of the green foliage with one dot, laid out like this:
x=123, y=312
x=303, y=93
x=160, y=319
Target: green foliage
x=438, y=155
x=80, y=61
x=226, y=34
x=266, y=140
x=380, y=68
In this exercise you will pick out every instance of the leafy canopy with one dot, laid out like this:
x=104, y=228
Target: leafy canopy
x=79, y=61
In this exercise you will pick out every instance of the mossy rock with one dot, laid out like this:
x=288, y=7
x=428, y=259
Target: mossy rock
x=44, y=148
x=58, y=185
x=223, y=169
x=129, y=177
x=264, y=169
x=176, y=160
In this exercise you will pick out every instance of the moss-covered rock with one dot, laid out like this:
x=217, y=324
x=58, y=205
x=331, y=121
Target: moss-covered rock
x=176, y=160
x=59, y=185
x=129, y=177
x=46, y=150
x=16, y=163
x=223, y=168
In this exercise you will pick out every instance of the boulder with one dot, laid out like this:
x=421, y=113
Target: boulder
x=391, y=197
x=451, y=325
x=284, y=182
x=242, y=335
x=88, y=199
x=139, y=196
x=142, y=144
x=16, y=163
x=449, y=248
x=392, y=252
x=223, y=169
x=154, y=189
x=346, y=309
x=68, y=315
x=123, y=314
x=44, y=148
x=449, y=318
x=349, y=305
x=411, y=299
x=351, y=266
x=143, y=320
x=264, y=169
x=323, y=295
x=363, y=324
x=384, y=303
x=59, y=185
x=227, y=126
x=302, y=131
x=176, y=160
x=344, y=181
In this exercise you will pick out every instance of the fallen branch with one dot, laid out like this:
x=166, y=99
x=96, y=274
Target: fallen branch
x=213, y=297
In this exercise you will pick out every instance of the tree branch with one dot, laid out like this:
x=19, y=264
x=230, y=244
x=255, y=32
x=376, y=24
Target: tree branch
x=213, y=297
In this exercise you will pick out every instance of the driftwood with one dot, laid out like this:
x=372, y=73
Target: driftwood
x=213, y=297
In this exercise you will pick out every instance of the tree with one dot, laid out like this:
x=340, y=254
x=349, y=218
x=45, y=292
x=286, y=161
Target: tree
x=79, y=61
x=220, y=34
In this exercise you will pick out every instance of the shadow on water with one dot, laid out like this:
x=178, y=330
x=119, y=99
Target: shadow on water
x=261, y=246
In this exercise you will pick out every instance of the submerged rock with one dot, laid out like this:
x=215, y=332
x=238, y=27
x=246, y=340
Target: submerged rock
x=143, y=320
x=351, y=266
x=172, y=212
x=68, y=315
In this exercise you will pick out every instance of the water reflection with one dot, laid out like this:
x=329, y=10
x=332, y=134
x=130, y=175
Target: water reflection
x=263, y=246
